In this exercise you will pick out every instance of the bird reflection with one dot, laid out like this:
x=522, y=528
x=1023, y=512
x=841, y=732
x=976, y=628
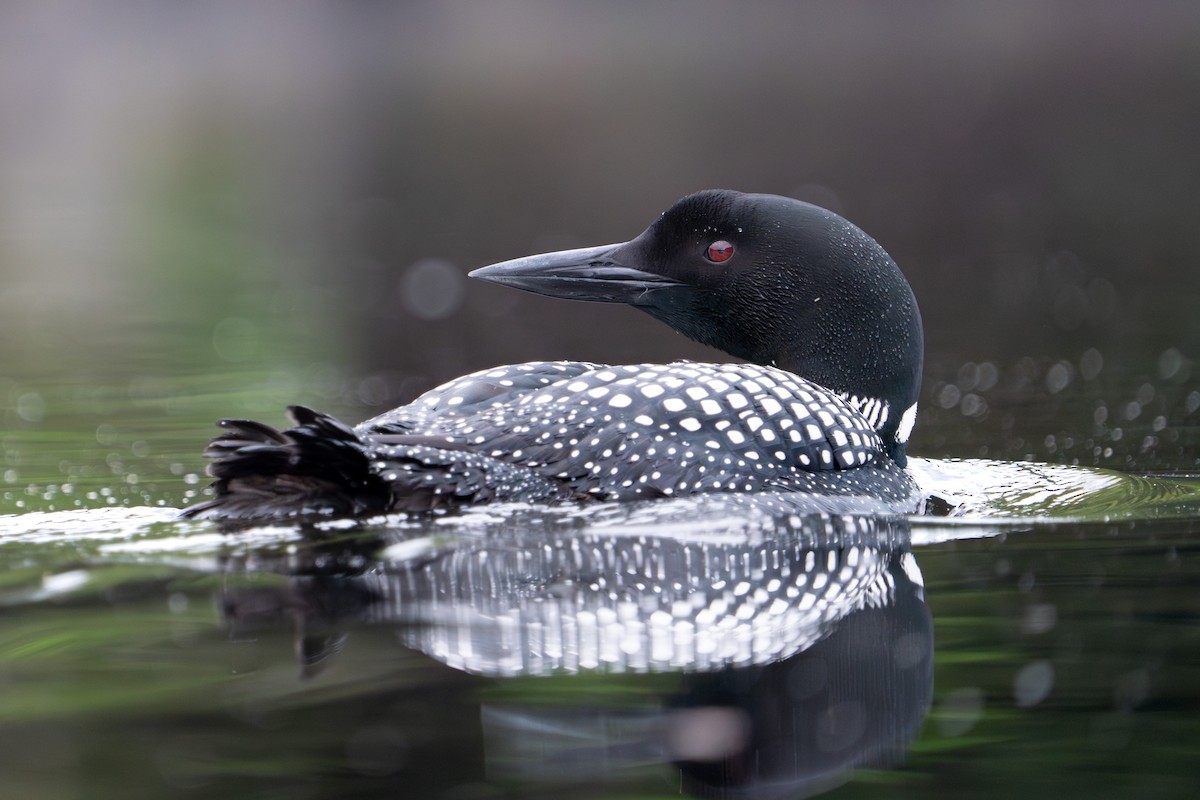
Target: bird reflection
x=800, y=646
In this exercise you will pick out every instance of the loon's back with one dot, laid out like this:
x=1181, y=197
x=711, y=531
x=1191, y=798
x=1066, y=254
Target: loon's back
x=555, y=431
x=623, y=432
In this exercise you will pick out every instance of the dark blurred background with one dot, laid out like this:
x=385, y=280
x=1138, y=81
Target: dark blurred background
x=297, y=192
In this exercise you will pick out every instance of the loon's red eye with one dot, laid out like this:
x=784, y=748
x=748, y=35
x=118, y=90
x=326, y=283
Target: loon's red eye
x=719, y=251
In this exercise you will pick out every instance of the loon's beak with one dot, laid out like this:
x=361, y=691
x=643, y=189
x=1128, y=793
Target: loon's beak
x=589, y=273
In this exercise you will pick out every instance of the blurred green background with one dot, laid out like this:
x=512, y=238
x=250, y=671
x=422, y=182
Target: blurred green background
x=216, y=209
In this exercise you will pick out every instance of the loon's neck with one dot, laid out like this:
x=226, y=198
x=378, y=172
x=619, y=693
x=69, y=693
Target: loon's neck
x=872, y=359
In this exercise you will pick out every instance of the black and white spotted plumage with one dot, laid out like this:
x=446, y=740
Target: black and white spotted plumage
x=623, y=432
x=812, y=415
x=618, y=603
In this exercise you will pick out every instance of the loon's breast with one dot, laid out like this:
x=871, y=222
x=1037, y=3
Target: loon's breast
x=622, y=432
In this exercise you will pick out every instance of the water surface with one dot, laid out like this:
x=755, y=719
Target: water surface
x=1036, y=633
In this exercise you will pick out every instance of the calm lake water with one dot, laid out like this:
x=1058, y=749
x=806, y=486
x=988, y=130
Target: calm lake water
x=1043, y=639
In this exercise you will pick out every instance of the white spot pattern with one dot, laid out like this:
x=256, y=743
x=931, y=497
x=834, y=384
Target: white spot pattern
x=649, y=429
x=874, y=410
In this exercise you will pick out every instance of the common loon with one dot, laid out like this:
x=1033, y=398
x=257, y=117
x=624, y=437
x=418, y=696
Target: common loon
x=827, y=321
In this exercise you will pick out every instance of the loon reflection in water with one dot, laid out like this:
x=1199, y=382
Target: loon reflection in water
x=801, y=646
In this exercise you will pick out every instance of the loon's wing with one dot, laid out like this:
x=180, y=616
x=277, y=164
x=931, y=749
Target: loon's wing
x=471, y=394
x=650, y=430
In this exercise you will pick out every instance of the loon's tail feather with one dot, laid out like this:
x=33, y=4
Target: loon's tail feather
x=319, y=466
x=322, y=467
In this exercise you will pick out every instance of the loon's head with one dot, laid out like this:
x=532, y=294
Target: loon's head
x=764, y=278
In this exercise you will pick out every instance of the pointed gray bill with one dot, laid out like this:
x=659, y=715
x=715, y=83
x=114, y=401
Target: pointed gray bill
x=588, y=273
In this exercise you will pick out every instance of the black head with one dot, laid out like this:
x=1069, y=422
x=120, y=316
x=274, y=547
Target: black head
x=765, y=278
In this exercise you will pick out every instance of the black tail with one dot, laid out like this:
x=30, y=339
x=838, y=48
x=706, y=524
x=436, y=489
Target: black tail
x=320, y=466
